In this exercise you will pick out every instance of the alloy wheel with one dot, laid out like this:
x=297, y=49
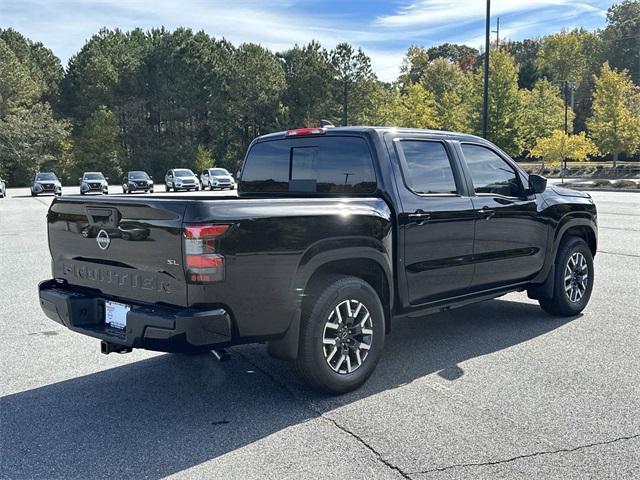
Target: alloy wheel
x=576, y=277
x=347, y=336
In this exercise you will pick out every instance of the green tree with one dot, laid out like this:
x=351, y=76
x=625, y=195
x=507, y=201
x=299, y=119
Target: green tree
x=462, y=55
x=354, y=78
x=384, y=106
x=255, y=91
x=561, y=55
x=504, y=102
x=414, y=65
x=525, y=53
x=44, y=68
x=31, y=140
x=17, y=90
x=98, y=147
x=613, y=126
x=542, y=112
x=204, y=159
x=452, y=91
x=622, y=38
x=309, y=75
x=417, y=108
x=559, y=146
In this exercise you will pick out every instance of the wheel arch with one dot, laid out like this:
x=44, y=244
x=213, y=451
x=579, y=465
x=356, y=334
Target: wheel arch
x=371, y=266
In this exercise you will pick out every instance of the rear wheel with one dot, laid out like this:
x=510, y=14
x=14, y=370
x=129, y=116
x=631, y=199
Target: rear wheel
x=573, y=280
x=341, y=335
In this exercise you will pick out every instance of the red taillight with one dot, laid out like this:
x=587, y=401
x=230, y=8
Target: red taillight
x=202, y=262
x=305, y=131
x=200, y=231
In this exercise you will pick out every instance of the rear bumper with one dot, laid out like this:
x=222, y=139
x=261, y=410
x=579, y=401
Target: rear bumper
x=165, y=329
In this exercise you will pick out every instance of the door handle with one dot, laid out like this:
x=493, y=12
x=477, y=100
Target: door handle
x=486, y=213
x=419, y=217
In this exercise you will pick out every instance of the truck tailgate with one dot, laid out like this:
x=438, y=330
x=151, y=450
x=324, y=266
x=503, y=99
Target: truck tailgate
x=122, y=247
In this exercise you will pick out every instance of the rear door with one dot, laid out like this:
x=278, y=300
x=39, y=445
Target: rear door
x=511, y=238
x=131, y=249
x=436, y=220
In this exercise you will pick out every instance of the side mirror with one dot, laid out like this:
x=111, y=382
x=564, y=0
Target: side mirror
x=537, y=183
x=106, y=178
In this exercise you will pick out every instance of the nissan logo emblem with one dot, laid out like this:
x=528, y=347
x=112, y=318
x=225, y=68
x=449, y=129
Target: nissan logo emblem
x=103, y=240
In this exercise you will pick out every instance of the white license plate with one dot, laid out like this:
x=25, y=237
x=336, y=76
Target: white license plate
x=115, y=314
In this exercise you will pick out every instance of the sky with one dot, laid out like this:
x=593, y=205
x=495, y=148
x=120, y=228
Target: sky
x=383, y=28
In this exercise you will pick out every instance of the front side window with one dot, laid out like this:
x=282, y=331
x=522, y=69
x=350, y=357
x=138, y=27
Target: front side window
x=490, y=173
x=427, y=167
x=317, y=165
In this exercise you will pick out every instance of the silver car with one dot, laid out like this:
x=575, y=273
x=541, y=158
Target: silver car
x=181, y=179
x=45, y=182
x=93, y=182
x=3, y=188
x=217, y=178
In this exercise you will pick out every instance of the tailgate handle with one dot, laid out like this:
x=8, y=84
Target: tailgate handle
x=104, y=217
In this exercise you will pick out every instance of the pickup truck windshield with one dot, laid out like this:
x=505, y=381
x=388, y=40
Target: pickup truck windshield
x=93, y=176
x=183, y=173
x=46, y=177
x=309, y=165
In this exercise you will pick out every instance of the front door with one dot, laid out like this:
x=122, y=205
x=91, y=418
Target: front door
x=437, y=221
x=510, y=238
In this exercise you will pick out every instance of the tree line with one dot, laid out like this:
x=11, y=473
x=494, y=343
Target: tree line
x=159, y=99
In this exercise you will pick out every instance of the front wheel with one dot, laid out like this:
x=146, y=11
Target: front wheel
x=573, y=280
x=341, y=335
x=167, y=188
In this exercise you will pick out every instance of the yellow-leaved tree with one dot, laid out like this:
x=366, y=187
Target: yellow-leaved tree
x=614, y=125
x=559, y=146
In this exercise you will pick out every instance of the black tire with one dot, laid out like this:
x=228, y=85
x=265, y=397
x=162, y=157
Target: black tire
x=81, y=192
x=167, y=188
x=560, y=304
x=312, y=363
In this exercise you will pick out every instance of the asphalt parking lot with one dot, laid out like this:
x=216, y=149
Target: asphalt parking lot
x=495, y=390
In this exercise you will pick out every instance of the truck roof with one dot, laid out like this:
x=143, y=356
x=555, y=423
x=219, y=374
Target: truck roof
x=379, y=130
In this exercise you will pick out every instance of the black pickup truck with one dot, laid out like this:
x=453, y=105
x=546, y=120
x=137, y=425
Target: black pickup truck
x=335, y=233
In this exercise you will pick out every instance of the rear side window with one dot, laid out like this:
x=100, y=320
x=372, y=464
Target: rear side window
x=305, y=165
x=490, y=173
x=427, y=167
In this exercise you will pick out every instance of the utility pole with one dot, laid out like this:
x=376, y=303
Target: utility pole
x=497, y=32
x=485, y=99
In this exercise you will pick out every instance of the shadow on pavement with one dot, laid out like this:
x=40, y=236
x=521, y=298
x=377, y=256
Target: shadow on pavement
x=159, y=416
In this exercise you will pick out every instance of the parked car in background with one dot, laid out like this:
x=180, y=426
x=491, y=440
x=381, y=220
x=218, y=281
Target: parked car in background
x=137, y=181
x=45, y=182
x=216, y=178
x=336, y=233
x=3, y=188
x=181, y=179
x=92, y=182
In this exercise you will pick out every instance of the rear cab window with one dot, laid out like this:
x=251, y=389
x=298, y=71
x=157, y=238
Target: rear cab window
x=426, y=167
x=314, y=165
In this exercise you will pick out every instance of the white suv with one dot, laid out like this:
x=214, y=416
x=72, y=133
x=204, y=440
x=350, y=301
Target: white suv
x=216, y=178
x=181, y=179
